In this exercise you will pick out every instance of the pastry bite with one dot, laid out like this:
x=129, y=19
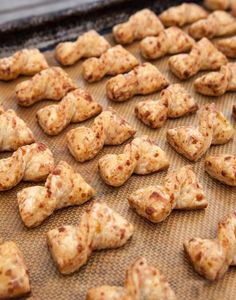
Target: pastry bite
x=211, y=258
x=219, y=23
x=183, y=14
x=89, y=44
x=141, y=24
x=141, y=156
x=77, y=106
x=14, y=132
x=52, y=84
x=227, y=46
x=217, y=83
x=181, y=190
x=14, y=274
x=24, y=62
x=174, y=102
x=64, y=187
x=100, y=228
x=172, y=40
x=234, y=110
x=108, y=128
x=222, y=167
x=28, y=163
x=142, y=80
x=193, y=142
x=141, y=279
x=203, y=56
x=115, y=60
x=220, y=4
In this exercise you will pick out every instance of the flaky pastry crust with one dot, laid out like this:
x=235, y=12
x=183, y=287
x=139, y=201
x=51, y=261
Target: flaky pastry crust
x=227, y=46
x=220, y=4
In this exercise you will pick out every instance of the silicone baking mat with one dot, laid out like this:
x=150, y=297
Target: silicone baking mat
x=161, y=244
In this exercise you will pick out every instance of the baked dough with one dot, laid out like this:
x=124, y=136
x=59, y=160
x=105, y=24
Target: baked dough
x=64, y=187
x=89, y=44
x=181, y=190
x=211, y=258
x=227, y=46
x=24, y=62
x=170, y=41
x=115, y=60
x=203, y=56
x=108, y=128
x=52, y=83
x=100, y=228
x=183, y=14
x=193, y=142
x=222, y=167
x=14, y=132
x=29, y=163
x=217, y=83
x=141, y=156
x=14, y=274
x=219, y=23
x=174, y=102
x=142, y=80
x=220, y=4
x=143, y=23
x=142, y=280
x=77, y=106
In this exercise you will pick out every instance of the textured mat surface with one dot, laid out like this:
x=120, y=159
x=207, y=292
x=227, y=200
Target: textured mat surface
x=161, y=244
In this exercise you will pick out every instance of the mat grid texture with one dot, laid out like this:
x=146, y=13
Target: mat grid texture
x=161, y=244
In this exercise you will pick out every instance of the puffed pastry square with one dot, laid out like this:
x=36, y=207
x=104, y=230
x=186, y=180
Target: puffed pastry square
x=183, y=14
x=141, y=279
x=100, y=228
x=77, y=106
x=220, y=4
x=89, y=44
x=14, y=274
x=174, y=102
x=143, y=23
x=172, y=40
x=203, y=56
x=51, y=84
x=116, y=60
x=219, y=23
x=227, y=46
x=24, y=62
x=222, y=167
x=142, y=80
x=14, y=132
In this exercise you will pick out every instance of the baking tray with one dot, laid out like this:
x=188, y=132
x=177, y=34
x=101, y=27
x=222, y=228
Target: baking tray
x=161, y=244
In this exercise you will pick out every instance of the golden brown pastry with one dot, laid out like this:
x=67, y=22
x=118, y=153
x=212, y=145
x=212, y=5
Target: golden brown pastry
x=14, y=274
x=174, y=102
x=115, y=60
x=64, y=187
x=203, y=56
x=142, y=80
x=100, y=228
x=24, y=62
x=77, y=106
x=141, y=156
x=220, y=4
x=193, y=142
x=52, y=83
x=14, y=132
x=29, y=163
x=219, y=23
x=227, y=46
x=211, y=258
x=89, y=44
x=217, y=83
x=142, y=281
x=143, y=23
x=222, y=167
x=181, y=190
x=234, y=110
x=170, y=41
x=183, y=14
x=108, y=128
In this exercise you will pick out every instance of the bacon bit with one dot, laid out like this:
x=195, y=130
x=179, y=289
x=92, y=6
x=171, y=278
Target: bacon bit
x=155, y=195
x=80, y=248
x=228, y=157
x=61, y=229
x=199, y=197
x=198, y=256
x=223, y=173
x=149, y=210
x=122, y=234
x=41, y=147
x=56, y=172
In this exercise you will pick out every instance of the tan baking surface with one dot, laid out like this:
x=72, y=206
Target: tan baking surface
x=161, y=244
